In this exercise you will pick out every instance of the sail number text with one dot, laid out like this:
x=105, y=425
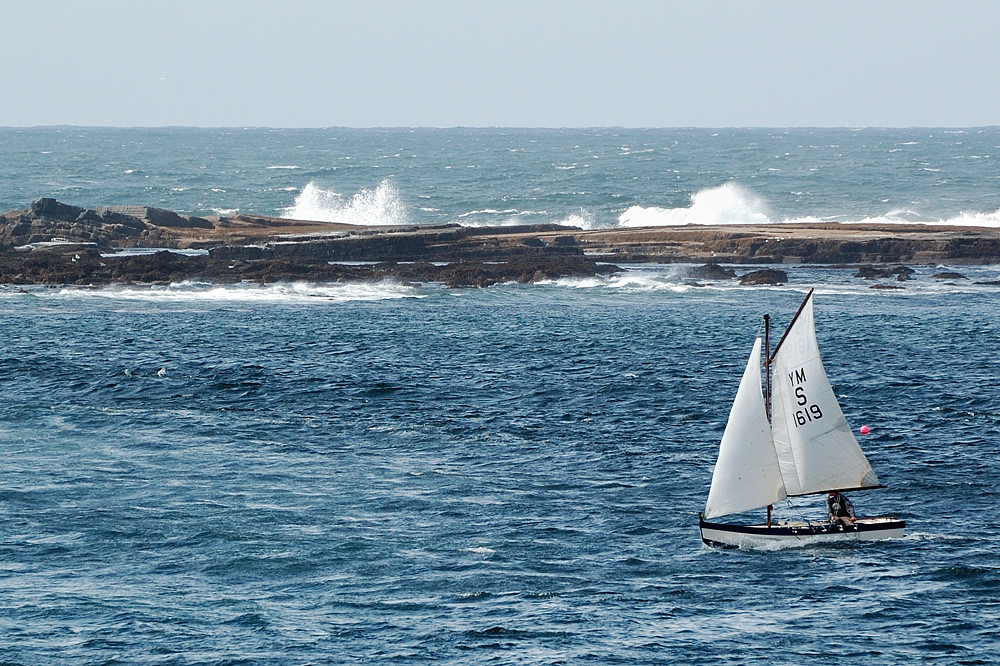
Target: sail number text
x=807, y=413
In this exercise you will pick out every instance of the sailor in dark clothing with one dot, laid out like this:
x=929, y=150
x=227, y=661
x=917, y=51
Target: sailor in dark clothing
x=840, y=509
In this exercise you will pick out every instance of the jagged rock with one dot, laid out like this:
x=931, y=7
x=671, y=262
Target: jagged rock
x=948, y=275
x=767, y=276
x=882, y=285
x=168, y=218
x=122, y=220
x=902, y=273
x=710, y=272
x=53, y=210
x=872, y=273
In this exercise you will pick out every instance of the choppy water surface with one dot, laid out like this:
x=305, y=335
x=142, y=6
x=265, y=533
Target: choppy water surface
x=402, y=473
x=591, y=178
x=306, y=474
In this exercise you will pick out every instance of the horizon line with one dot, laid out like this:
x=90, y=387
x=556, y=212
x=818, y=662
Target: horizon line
x=507, y=127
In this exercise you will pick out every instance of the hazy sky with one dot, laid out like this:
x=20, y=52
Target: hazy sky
x=547, y=63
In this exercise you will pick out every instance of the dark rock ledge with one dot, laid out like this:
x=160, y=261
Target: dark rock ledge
x=56, y=243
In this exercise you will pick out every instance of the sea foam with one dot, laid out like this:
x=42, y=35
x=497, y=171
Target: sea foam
x=286, y=292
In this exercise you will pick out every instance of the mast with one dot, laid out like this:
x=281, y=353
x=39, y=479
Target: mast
x=767, y=366
x=767, y=387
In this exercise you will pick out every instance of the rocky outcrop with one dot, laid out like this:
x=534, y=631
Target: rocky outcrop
x=827, y=243
x=49, y=221
x=901, y=273
x=711, y=272
x=57, y=243
x=90, y=267
x=767, y=276
x=448, y=243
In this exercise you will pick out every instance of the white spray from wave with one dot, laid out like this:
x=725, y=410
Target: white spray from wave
x=381, y=206
x=728, y=204
x=513, y=217
x=733, y=204
x=583, y=219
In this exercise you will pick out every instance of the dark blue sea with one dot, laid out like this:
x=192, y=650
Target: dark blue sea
x=405, y=473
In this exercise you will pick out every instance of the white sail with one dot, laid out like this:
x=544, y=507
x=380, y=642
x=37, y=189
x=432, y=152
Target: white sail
x=816, y=449
x=746, y=475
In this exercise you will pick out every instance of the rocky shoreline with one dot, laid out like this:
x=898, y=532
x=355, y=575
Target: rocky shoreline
x=55, y=243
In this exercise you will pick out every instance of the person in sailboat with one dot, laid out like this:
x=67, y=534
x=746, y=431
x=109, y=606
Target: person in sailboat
x=840, y=509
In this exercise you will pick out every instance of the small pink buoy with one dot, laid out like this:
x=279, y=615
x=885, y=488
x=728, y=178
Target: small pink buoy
x=865, y=430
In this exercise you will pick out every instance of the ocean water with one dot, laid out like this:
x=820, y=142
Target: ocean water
x=596, y=178
x=337, y=473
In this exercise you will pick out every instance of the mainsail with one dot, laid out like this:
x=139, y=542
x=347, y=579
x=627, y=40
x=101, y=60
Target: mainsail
x=816, y=449
x=807, y=447
x=746, y=475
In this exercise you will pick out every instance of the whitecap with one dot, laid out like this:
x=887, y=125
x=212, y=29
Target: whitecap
x=480, y=550
x=489, y=211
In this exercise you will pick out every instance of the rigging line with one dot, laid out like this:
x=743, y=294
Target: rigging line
x=790, y=324
x=797, y=510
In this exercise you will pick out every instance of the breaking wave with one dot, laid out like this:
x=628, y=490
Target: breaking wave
x=964, y=219
x=734, y=204
x=728, y=204
x=381, y=206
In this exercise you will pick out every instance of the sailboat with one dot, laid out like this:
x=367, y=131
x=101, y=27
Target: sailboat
x=789, y=440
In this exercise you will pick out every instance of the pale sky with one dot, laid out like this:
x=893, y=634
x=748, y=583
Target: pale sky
x=545, y=63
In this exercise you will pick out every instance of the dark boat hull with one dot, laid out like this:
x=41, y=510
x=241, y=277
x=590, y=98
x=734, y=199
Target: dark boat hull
x=790, y=533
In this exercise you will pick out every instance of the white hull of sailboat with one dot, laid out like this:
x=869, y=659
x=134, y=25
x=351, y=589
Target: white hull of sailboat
x=799, y=533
